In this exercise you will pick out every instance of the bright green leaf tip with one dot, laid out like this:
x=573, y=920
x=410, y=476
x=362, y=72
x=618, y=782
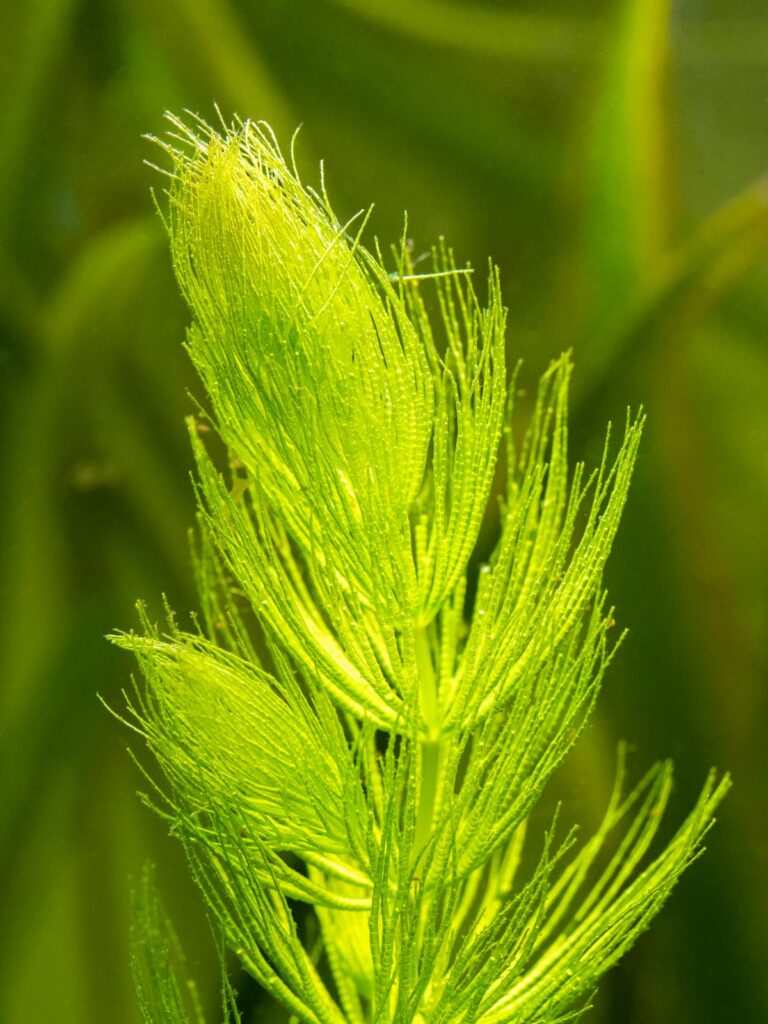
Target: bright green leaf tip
x=378, y=758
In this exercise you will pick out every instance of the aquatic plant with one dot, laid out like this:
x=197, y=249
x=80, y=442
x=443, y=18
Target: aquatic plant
x=361, y=719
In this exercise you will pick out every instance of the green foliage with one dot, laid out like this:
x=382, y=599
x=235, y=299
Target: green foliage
x=157, y=961
x=361, y=720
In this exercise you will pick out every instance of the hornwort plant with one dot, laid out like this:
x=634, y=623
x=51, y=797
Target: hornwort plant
x=358, y=721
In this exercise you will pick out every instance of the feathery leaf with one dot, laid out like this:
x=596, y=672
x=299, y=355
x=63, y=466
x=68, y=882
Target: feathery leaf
x=340, y=730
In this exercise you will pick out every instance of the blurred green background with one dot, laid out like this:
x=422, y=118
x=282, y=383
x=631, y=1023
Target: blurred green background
x=608, y=154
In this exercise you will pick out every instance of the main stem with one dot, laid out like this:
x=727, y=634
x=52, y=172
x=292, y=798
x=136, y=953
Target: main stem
x=430, y=744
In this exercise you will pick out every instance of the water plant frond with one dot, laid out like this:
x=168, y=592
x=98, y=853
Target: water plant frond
x=361, y=719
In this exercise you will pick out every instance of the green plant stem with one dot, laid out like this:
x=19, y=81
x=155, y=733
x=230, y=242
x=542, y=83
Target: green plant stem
x=427, y=682
x=430, y=745
x=428, y=792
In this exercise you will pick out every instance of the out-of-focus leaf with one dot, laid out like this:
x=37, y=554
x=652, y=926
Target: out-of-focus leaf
x=30, y=45
x=491, y=31
x=34, y=563
x=693, y=567
x=494, y=31
x=725, y=515
x=24, y=961
x=625, y=221
x=688, y=282
x=721, y=40
x=206, y=39
x=423, y=105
